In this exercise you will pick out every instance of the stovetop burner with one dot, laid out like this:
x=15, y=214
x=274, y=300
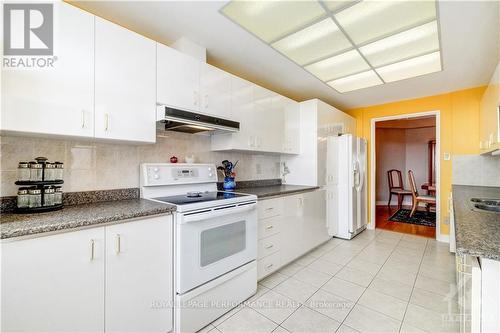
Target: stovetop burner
x=194, y=197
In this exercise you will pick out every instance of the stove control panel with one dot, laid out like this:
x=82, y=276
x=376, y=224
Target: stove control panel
x=179, y=173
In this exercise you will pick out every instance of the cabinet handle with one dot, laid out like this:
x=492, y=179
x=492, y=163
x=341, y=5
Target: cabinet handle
x=118, y=244
x=106, y=122
x=269, y=246
x=83, y=118
x=269, y=266
x=92, y=249
x=206, y=101
x=270, y=208
x=269, y=227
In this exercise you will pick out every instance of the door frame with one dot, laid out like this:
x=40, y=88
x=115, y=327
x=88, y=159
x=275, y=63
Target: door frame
x=373, y=166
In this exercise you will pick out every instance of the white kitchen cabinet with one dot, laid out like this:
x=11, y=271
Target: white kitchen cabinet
x=215, y=92
x=289, y=227
x=268, y=113
x=178, y=76
x=139, y=282
x=116, y=278
x=125, y=84
x=57, y=100
x=54, y=283
x=291, y=140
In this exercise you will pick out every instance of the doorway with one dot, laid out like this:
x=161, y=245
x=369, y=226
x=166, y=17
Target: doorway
x=404, y=169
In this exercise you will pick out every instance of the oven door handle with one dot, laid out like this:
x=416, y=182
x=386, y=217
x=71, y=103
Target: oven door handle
x=217, y=213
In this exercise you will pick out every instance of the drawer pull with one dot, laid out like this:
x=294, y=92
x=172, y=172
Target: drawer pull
x=270, y=246
x=270, y=208
x=269, y=266
x=269, y=227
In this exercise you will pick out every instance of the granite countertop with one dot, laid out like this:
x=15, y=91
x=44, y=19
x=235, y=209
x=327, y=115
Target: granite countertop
x=90, y=214
x=275, y=190
x=477, y=233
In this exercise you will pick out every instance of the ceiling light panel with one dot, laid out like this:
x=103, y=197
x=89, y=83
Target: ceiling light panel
x=270, y=20
x=312, y=43
x=411, y=43
x=338, y=66
x=339, y=4
x=369, y=20
x=355, y=82
x=418, y=66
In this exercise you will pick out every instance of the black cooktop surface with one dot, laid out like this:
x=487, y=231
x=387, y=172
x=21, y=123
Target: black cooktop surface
x=194, y=197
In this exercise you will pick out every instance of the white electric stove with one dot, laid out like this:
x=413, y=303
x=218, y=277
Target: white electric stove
x=215, y=245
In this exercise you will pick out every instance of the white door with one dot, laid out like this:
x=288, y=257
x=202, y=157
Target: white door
x=54, y=283
x=292, y=127
x=243, y=111
x=57, y=100
x=215, y=88
x=178, y=77
x=314, y=229
x=139, y=268
x=125, y=84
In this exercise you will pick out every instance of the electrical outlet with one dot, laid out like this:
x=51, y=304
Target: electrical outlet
x=447, y=156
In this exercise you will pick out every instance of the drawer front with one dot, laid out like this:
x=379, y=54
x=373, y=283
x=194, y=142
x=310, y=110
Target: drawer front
x=268, y=246
x=268, y=265
x=270, y=208
x=269, y=227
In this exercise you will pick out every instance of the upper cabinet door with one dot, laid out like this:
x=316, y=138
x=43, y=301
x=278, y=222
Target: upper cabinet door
x=56, y=100
x=215, y=88
x=54, y=283
x=139, y=268
x=125, y=84
x=292, y=127
x=178, y=78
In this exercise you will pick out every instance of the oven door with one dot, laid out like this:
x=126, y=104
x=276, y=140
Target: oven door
x=213, y=243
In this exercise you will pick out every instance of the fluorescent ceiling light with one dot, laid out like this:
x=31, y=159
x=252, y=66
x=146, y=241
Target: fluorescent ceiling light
x=341, y=65
x=335, y=5
x=426, y=64
x=315, y=42
x=270, y=20
x=411, y=43
x=355, y=82
x=369, y=20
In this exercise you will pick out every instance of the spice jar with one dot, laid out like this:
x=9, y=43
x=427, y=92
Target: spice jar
x=58, y=195
x=48, y=197
x=23, y=171
x=36, y=171
x=35, y=197
x=23, y=198
x=49, y=171
x=58, y=171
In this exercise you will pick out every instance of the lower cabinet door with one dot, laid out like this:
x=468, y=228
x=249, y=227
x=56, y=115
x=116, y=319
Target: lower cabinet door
x=139, y=286
x=54, y=283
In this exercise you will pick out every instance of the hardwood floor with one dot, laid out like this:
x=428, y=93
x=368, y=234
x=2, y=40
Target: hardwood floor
x=382, y=222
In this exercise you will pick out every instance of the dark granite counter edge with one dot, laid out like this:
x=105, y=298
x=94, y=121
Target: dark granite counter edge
x=281, y=193
x=44, y=230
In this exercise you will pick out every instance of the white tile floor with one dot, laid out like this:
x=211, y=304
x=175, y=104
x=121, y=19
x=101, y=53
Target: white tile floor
x=380, y=281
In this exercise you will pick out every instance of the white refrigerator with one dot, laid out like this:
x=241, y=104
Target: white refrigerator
x=346, y=181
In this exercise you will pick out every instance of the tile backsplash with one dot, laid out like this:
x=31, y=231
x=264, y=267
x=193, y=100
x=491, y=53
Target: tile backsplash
x=93, y=165
x=477, y=170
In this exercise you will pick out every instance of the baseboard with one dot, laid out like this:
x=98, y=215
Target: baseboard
x=443, y=238
x=394, y=203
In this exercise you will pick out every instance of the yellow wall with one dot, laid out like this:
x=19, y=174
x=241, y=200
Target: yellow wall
x=459, y=112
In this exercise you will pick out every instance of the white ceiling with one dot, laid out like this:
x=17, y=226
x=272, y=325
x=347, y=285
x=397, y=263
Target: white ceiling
x=470, y=42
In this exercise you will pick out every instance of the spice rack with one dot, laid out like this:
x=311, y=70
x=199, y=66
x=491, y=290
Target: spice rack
x=41, y=186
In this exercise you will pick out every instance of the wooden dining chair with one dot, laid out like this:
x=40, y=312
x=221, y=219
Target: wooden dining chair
x=396, y=187
x=427, y=199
